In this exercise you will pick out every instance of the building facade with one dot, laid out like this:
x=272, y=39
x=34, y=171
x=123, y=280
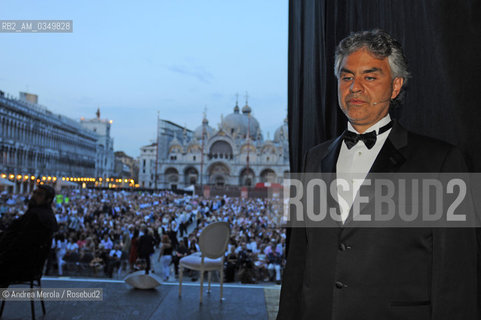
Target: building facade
x=234, y=154
x=35, y=142
x=126, y=167
x=147, y=161
x=105, y=158
x=167, y=132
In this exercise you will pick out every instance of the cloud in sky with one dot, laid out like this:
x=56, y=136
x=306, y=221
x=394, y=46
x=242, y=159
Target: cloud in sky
x=197, y=72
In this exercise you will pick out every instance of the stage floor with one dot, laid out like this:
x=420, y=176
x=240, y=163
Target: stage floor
x=120, y=301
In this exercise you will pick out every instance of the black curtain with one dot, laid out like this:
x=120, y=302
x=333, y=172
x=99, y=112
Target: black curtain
x=442, y=42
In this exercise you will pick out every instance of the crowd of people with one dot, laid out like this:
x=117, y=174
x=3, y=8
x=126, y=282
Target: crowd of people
x=104, y=231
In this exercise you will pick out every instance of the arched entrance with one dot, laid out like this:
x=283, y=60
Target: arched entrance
x=190, y=176
x=268, y=175
x=171, y=177
x=246, y=177
x=218, y=174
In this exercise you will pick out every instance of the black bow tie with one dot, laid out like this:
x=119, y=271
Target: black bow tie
x=369, y=139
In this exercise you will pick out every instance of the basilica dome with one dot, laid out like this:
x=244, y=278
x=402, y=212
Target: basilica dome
x=208, y=130
x=237, y=124
x=281, y=132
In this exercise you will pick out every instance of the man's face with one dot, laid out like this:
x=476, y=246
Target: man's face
x=365, y=88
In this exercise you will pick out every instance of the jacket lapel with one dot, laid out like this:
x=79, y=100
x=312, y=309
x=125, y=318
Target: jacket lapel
x=328, y=169
x=329, y=162
x=389, y=158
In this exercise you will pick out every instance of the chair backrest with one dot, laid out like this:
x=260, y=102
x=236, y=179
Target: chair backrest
x=213, y=240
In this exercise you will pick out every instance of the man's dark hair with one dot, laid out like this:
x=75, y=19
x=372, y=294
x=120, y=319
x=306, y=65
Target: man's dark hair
x=49, y=192
x=379, y=43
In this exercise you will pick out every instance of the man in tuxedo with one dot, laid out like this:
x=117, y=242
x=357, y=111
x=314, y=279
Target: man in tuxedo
x=345, y=272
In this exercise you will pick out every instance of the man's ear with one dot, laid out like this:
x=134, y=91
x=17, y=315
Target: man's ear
x=397, y=84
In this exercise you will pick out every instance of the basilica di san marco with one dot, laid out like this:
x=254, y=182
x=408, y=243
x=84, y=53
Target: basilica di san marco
x=235, y=154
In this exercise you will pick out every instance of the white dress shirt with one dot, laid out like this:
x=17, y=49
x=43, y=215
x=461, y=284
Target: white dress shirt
x=354, y=164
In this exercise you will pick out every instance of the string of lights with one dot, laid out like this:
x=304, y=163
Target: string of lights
x=97, y=181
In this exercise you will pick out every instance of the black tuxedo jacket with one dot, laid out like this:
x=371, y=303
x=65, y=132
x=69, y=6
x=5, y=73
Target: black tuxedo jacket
x=346, y=273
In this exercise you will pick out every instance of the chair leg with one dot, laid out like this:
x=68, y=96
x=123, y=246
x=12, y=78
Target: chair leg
x=1, y=309
x=181, y=273
x=32, y=306
x=201, y=283
x=221, y=283
x=5, y=286
x=43, y=306
x=32, y=302
x=41, y=299
x=210, y=274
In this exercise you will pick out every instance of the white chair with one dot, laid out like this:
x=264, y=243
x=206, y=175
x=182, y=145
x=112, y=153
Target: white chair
x=213, y=245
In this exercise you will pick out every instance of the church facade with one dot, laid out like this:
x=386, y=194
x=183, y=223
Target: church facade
x=235, y=154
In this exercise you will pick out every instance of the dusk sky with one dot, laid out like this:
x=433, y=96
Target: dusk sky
x=132, y=59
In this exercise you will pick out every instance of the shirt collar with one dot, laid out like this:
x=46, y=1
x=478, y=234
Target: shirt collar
x=374, y=127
